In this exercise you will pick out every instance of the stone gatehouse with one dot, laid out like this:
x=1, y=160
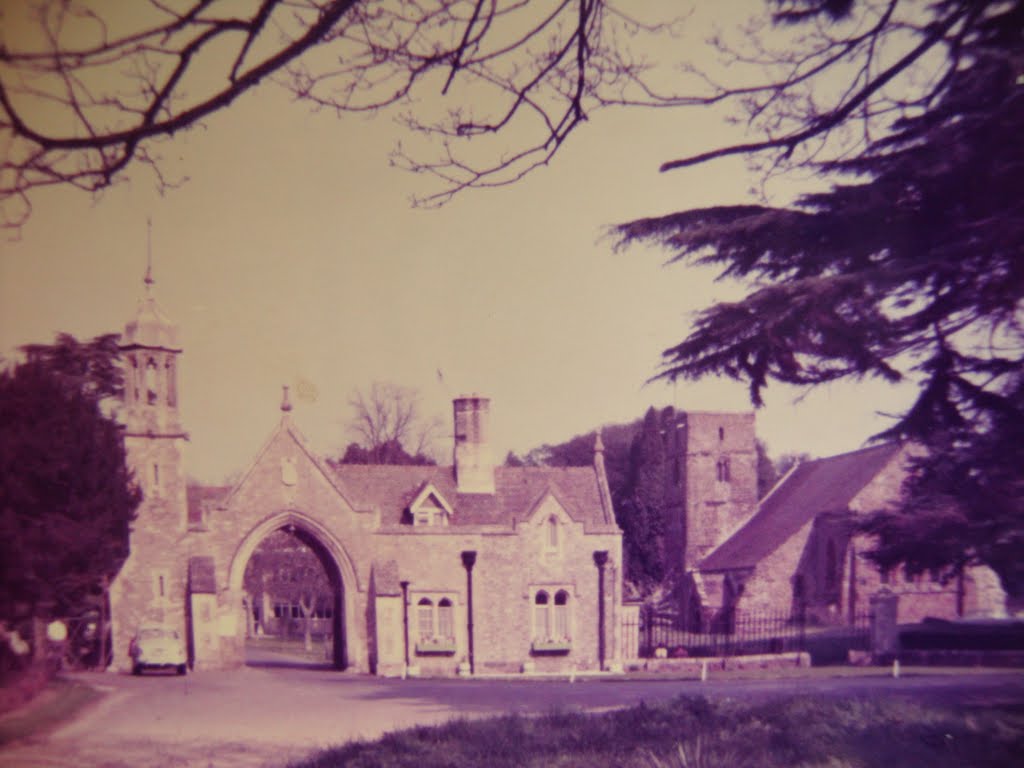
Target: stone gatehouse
x=468, y=568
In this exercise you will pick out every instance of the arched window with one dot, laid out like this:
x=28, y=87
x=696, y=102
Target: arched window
x=552, y=533
x=721, y=433
x=135, y=379
x=541, y=623
x=425, y=618
x=561, y=615
x=445, y=619
x=723, y=471
x=172, y=388
x=151, y=381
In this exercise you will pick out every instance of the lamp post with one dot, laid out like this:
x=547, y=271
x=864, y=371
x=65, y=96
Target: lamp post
x=600, y=560
x=405, y=620
x=468, y=561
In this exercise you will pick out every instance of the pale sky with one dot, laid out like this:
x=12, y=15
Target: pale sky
x=291, y=255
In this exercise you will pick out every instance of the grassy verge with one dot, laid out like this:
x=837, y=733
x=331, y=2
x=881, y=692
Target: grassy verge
x=802, y=732
x=61, y=700
x=812, y=673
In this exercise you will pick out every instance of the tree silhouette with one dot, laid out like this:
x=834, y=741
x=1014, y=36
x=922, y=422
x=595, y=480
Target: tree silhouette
x=908, y=268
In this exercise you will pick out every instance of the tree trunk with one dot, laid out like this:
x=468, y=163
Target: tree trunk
x=307, y=614
x=101, y=624
x=250, y=628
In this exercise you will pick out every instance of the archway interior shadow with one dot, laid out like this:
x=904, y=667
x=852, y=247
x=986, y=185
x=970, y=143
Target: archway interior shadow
x=276, y=659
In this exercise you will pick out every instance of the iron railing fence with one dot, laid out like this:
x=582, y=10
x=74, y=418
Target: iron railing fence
x=738, y=633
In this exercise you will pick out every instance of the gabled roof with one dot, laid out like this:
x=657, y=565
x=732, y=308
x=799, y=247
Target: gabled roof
x=812, y=488
x=286, y=428
x=392, y=489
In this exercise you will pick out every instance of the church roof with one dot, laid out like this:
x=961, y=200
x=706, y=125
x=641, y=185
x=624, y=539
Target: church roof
x=391, y=489
x=812, y=488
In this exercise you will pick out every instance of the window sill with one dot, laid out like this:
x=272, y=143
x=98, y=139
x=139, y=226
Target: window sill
x=436, y=647
x=551, y=647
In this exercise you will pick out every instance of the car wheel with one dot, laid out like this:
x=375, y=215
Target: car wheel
x=181, y=669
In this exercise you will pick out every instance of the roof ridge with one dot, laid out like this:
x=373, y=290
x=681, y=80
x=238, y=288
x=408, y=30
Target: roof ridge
x=865, y=449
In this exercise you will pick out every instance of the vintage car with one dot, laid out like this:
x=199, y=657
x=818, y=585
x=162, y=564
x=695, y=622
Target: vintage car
x=157, y=648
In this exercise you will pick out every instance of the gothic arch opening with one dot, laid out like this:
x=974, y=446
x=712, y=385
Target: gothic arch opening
x=302, y=604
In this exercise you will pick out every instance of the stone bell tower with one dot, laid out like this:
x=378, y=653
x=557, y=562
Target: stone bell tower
x=150, y=588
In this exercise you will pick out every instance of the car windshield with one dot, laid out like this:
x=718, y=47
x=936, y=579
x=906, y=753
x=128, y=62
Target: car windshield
x=156, y=633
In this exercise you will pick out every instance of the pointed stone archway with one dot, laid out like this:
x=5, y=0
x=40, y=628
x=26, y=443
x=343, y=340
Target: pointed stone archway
x=336, y=562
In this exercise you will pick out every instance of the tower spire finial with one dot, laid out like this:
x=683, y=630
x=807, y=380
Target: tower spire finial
x=286, y=403
x=148, y=279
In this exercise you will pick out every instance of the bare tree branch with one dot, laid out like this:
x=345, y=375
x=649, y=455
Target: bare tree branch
x=387, y=420
x=491, y=89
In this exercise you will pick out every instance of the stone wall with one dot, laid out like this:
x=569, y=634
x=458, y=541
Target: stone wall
x=151, y=586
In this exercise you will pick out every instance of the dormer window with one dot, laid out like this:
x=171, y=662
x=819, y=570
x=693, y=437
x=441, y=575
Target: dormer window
x=430, y=512
x=429, y=508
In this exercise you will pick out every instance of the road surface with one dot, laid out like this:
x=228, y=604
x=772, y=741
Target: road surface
x=269, y=715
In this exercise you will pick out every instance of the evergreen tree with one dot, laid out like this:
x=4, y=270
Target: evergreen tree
x=66, y=495
x=641, y=511
x=766, y=472
x=908, y=268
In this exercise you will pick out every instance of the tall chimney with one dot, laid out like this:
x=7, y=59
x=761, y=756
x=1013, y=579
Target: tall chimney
x=474, y=468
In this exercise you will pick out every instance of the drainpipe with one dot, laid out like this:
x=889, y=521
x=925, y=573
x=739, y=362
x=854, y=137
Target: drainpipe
x=468, y=561
x=600, y=560
x=405, y=619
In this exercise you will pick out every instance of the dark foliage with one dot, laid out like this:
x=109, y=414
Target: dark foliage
x=767, y=471
x=391, y=452
x=579, y=452
x=66, y=496
x=641, y=510
x=910, y=268
x=635, y=462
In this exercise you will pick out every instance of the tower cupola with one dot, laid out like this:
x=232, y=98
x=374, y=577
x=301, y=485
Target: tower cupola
x=150, y=349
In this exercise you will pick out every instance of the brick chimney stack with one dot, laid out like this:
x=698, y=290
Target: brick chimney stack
x=474, y=467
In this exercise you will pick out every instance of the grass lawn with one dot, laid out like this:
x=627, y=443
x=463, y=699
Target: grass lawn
x=61, y=700
x=804, y=732
x=291, y=647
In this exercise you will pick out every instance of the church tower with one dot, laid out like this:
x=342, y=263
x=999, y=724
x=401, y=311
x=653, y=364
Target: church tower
x=151, y=586
x=154, y=437
x=711, y=483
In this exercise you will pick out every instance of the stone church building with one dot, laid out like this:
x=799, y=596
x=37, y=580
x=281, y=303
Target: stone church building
x=796, y=551
x=469, y=568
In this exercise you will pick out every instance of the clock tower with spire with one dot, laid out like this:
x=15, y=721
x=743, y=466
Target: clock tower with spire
x=151, y=586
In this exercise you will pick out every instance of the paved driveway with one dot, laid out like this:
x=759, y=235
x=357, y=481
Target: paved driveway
x=266, y=716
